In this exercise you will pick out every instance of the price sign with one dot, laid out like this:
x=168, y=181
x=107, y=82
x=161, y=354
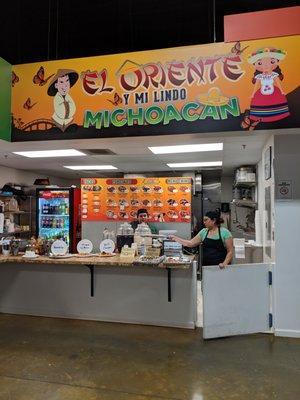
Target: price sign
x=85, y=246
x=107, y=246
x=59, y=248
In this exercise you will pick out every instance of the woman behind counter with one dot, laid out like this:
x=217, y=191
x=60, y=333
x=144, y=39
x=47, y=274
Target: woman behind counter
x=217, y=243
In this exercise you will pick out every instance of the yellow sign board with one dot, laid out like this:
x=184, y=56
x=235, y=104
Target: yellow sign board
x=215, y=87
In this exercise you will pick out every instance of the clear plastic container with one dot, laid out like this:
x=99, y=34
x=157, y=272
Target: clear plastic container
x=142, y=229
x=124, y=236
x=105, y=234
x=142, y=251
x=112, y=236
x=143, y=233
x=128, y=230
x=120, y=230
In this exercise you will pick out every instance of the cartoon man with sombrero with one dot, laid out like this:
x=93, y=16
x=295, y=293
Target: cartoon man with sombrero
x=64, y=106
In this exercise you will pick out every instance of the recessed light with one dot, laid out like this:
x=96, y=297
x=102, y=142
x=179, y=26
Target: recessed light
x=50, y=153
x=89, y=167
x=196, y=164
x=187, y=148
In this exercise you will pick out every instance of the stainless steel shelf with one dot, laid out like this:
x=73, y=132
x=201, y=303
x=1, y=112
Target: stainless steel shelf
x=244, y=203
x=244, y=184
x=15, y=233
x=17, y=212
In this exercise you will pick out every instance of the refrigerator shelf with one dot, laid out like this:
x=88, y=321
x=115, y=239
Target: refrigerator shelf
x=54, y=215
x=57, y=229
x=60, y=207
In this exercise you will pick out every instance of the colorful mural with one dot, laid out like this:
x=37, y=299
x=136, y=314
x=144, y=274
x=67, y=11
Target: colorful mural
x=208, y=88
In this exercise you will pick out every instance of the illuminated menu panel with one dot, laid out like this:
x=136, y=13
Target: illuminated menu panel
x=165, y=199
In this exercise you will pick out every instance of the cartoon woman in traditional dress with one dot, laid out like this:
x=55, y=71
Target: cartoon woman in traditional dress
x=268, y=101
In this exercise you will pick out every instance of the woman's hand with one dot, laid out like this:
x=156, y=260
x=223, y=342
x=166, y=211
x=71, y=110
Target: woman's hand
x=172, y=237
x=222, y=265
x=187, y=243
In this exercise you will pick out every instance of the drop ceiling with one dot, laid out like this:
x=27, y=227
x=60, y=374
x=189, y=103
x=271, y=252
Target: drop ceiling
x=133, y=156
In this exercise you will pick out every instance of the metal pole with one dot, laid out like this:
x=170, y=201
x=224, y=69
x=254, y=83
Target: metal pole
x=169, y=285
x=214, y=21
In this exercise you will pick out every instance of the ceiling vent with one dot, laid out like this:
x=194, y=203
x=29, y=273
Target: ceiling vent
x=99, y=152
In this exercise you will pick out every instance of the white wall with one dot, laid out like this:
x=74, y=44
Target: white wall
x=287, y=238
x=262, y=185
x=27, y=178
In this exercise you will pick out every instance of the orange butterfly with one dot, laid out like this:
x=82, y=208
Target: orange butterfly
x=117, y=100
x=27, y=105
x=39, y=78
x=236, y=49
x=14, y=78
x=248, y=124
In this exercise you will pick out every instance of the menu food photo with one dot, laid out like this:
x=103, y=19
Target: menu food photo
x=165, y=199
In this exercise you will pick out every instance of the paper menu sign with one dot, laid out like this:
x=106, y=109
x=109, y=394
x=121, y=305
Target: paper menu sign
x=239, y=248
x=166, y=199
x=127, y=254
x=107, y=246
x=85, y=246
x=59, y=248
x=152, y=252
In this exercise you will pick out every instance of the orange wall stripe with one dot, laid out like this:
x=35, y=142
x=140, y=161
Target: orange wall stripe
x=262, y=24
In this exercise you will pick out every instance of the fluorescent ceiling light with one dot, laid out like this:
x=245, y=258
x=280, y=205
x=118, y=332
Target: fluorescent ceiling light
x=89, y=167
x=196, y=164
x=50, y=153
x=187, y=148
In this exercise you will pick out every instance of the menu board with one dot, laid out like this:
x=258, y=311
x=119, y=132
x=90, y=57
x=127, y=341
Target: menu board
x=165, y=199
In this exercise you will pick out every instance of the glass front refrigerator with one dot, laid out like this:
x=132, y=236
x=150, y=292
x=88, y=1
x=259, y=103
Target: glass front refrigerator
x=58, y=215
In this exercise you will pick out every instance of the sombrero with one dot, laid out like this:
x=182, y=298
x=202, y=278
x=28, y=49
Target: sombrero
x=213, y=98
x=266, y=52
x=73, y=76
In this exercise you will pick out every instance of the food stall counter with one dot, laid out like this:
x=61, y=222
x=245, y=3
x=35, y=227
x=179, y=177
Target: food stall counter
x=97, y=261
x=100, y=288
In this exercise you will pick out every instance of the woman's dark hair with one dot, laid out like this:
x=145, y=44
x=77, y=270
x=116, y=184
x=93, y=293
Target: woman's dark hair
x=215, y=216
x=277, y=69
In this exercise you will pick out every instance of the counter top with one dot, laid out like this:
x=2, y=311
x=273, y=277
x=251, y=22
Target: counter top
x=96, y=261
